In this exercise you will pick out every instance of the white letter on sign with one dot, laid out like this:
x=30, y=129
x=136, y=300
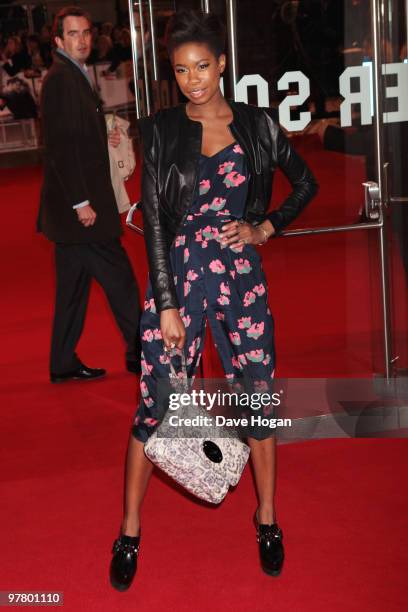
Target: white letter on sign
x=298, y=77
x=361, y=97
x=399, y=91
x=257, y=81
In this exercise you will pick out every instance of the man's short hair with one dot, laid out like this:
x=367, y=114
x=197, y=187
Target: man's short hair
x=68, y=11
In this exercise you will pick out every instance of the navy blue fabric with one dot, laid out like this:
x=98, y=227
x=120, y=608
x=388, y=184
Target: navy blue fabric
x=216, y=283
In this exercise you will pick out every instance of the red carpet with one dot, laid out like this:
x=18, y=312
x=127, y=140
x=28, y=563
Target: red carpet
x=342, y=503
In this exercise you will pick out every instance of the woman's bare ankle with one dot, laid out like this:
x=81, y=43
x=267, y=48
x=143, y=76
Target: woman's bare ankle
x=131, y=526
x=266, y=515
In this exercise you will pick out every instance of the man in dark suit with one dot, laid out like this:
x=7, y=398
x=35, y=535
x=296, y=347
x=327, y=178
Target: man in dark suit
x=78, y=209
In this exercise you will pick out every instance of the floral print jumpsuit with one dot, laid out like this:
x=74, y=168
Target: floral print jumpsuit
x=214, y=282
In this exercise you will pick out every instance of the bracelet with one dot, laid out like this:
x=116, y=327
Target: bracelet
x=265, y=235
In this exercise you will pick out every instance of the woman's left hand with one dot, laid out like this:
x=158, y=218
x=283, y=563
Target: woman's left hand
x=236, y=233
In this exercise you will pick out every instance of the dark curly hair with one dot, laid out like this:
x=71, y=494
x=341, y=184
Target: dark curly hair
x=188, y=26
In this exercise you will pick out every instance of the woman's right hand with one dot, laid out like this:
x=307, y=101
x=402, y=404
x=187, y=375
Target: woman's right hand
x=172, y=328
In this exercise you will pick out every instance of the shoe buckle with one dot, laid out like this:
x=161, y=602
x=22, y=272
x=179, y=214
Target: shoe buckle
x=270, y=536
x=125, y=548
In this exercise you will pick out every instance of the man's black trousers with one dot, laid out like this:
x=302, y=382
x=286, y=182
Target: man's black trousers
x=76, y=265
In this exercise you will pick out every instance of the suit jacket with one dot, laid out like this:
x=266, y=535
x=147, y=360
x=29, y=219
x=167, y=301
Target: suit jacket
x=76, y=161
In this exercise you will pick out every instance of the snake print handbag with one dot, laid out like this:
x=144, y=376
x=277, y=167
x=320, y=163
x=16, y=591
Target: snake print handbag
x=207, y=464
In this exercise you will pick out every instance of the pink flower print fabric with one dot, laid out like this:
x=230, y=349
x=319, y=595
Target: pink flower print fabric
x=191, y=275
x=180, y=241
x=150, y=305
x=233, y=179
x=205, y=186
x=256, y=330
x=216, y=266
x=148, y=336
x=243, y=266
x=217, y=204
x=256, y=355
x=226, y=167
x=235, y=338
x=244, y=322
x=215, y=284
x=249, y=298
x=224, y=288
x=210, y=233
x=259, y=289
x=223, y=300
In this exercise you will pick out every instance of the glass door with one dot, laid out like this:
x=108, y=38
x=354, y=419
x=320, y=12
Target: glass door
x=392, y=20
x=326, y=66
x=311, y=60
x=156, y=86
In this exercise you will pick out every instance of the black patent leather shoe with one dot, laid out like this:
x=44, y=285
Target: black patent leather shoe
x=82, y=372
x=134, y=366
x=271, y=551
x=124, y=561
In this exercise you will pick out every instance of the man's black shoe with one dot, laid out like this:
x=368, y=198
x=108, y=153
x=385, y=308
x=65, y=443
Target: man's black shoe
x=271, y=552
x=82, y=372
x=124, y=561
x=134, y=366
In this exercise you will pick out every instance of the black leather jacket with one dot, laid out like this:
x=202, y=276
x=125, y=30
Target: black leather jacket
x=171, y=153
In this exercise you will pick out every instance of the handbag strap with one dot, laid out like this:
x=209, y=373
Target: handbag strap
x=181, y=380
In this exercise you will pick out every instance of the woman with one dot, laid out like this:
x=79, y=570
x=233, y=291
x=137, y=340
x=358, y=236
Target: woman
x=206, y=187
